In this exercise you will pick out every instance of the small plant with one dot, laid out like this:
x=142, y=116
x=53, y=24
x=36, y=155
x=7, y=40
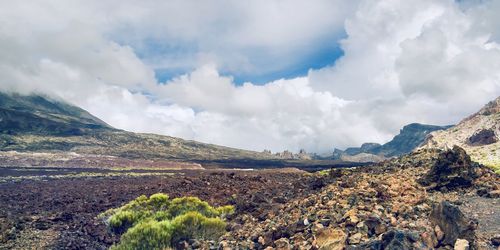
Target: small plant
x=158, y=222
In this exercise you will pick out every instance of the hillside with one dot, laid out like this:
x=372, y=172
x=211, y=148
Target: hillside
x=478, y=134
x=409, y=138
x=37, y=123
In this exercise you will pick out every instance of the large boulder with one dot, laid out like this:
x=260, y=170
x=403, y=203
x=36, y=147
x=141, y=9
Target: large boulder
x=393, y=240
x=452, y=169
x=483, y=137
x=453, y=223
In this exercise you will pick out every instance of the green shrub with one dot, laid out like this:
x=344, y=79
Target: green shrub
x=183, y=205
x=157, y=222
x=193, y=225
x=149, y=234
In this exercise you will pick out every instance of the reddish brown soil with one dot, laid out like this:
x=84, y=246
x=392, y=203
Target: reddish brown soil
x=68, y=207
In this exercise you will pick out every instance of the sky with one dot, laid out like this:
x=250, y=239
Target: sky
x=262, y=74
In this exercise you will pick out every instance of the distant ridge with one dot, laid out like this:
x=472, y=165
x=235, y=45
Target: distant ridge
x=409, y=138
x=37, y=123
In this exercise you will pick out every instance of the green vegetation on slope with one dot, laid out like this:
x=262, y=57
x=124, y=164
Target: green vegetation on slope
x=158, y=222
x=38, y=123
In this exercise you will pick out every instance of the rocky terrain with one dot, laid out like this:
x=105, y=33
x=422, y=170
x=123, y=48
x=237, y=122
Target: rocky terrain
x=428, y=199
x=409, y=138
x=478, y=134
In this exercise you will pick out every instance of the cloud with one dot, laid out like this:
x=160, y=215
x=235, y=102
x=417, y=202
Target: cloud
x=425, y=61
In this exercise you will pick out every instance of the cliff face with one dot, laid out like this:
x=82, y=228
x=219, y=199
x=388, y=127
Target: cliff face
x=478, y=134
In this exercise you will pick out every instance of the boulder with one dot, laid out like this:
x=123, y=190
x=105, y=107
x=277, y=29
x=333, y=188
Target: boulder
x=451, y=170
x=461, y=244
x=393, y=240
x=452, y=223
x=482, y=137
x=396, y=239
x=331, y=239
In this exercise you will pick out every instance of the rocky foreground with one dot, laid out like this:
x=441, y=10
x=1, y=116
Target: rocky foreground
x=429, y=199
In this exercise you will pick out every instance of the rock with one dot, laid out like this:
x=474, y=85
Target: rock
x=452, y=222
x=317, y=183
x=482, y=137
x=396, y=239
x=331, y=239
x=429, y=238
x=282, y=244
x=355, y=238
x=375, y=225
x=452, y=169
x=317, y=227
x=306, y=222
x=496, y=240
x=461, y=244
x=439, y=233
x=261, y=241
x=393, y=240
x=495, y=194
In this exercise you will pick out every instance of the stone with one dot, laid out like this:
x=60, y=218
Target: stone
x=306, y=222
x=330, y=239
x=453, y=169
x=461, y=244
x=453, y=223
x=282, y=244
x=483, y=137
x=397, y=239
x=261, y=240
x=495, y=194
x=429, y=238
x=439, y=233
x=355, y=238
x=317, y=227
x=495, y=240
x=375, y=225
x=393, y=220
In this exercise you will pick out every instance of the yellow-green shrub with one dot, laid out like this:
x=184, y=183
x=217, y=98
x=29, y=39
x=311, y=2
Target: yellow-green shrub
x=193, y=225
x=157, y=222
x=149, y=234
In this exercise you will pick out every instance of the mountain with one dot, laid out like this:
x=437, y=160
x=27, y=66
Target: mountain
x=40, y=115
x=37, y=123
x=478, y=134
x=409, y=138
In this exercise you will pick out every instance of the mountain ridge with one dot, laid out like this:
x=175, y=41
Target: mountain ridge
x=40, y=123
x=409, y=138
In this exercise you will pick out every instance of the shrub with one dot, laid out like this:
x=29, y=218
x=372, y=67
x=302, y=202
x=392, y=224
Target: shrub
x=183, y=205
x=149, y=234
x=157, y=222
x=193, y=225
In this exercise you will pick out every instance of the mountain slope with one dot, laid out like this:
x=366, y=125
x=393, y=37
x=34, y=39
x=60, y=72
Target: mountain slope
x=409, y=138
x=37, y=123
x=44, y=116
x=478, y=134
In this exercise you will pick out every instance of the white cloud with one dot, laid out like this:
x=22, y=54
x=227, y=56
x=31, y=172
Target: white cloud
x=420, y=61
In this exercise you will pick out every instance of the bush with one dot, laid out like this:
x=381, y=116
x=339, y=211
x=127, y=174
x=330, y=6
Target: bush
x=157, y=222
x=194, y=225
x=146, y=235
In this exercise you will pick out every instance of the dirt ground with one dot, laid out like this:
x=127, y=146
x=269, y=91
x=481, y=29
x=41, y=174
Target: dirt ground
x=61, y=213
